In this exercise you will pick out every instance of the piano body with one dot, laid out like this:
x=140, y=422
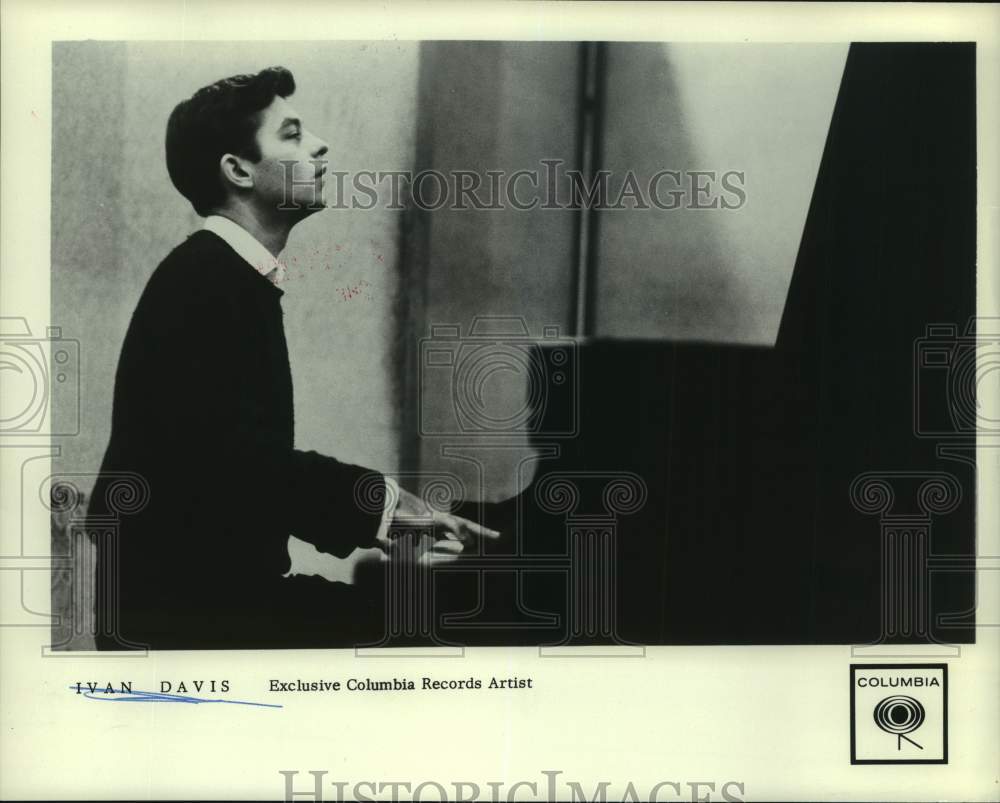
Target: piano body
x=725, y=494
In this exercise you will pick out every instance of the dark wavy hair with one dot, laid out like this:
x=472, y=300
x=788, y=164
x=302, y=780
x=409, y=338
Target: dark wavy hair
x=220, y=118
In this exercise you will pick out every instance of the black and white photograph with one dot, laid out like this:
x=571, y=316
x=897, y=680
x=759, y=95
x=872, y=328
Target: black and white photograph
x=507, y=383
x=517, y=343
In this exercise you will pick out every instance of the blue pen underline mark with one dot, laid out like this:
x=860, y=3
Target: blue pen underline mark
x=160, y=697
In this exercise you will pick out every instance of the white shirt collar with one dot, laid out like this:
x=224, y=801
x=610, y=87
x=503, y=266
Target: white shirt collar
x=247, y=246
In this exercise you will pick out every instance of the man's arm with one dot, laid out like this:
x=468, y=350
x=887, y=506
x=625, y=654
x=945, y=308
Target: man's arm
x=214, y=426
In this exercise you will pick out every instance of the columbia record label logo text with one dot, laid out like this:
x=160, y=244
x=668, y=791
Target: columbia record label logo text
x=899, y=714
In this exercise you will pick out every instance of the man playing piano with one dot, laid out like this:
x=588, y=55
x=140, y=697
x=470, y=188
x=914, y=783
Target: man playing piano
x=203, y=414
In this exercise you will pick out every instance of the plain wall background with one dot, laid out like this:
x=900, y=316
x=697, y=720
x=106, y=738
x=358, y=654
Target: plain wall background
x=695, y=274
x=498, y=106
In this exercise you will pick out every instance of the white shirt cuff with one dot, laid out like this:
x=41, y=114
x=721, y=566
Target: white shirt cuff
x=391, y=499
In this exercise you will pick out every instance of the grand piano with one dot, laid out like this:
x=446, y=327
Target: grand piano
x=817, y=491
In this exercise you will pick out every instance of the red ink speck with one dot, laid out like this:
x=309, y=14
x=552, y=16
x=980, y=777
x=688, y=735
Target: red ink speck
x=347, y=293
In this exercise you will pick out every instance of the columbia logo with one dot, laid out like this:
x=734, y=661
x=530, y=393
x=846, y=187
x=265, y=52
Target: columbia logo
x=899, y=714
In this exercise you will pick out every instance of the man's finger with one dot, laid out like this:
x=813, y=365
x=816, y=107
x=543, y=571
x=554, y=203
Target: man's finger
x=458, y=529
x=470, y=528
x=448, y=547
x=437, y=558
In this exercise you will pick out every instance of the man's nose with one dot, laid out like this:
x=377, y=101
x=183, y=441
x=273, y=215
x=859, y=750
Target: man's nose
x=319, y=149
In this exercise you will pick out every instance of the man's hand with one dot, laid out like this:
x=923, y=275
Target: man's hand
x=411, y=510
x=451, y=533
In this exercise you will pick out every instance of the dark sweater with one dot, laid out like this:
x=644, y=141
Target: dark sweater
x=203, y=412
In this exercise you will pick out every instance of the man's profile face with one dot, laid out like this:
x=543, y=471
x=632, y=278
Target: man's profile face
x=288, y=174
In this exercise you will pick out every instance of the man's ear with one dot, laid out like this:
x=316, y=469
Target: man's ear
x=234, y=171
